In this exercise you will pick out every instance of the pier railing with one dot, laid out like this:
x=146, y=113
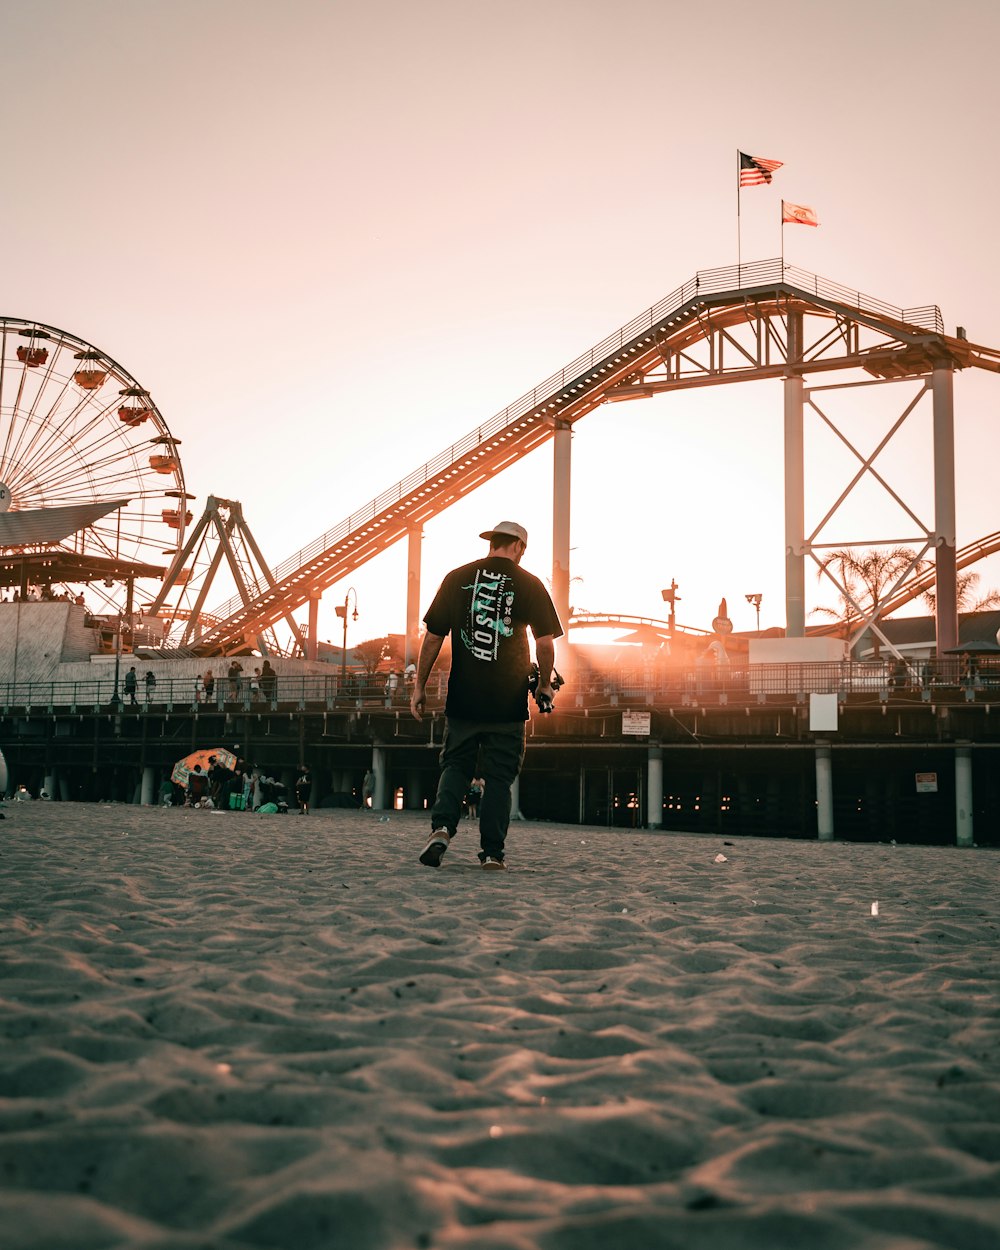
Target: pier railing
x=950, y=679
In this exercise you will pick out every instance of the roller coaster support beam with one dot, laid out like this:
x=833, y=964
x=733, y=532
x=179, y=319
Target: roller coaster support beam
x=561, y=475
x=179, y=563
x=251, y=542
x=312, y=641
x=795, y=552
x=415, y=537
x=946, y=596
x=192, y=630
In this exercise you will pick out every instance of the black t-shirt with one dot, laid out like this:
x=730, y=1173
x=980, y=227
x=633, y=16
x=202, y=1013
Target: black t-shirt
x=487, y=607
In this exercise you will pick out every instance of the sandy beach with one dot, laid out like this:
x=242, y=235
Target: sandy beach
x=233, y=1031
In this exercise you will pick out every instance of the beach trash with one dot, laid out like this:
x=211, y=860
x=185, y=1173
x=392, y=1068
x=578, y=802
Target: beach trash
x=875, y=908
x=721, y=859
x=267, y=809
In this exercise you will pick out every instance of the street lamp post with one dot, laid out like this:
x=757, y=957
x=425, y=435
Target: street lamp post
x=341, y=610
x=116, y=700
x=755, y=600
x=672, y=597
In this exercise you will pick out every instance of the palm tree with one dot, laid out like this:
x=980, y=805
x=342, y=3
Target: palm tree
x=865, y=579
x=965, y=584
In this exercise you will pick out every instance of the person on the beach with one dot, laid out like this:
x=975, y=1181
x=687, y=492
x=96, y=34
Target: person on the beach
x=220, y=782
x=197, y=787
x=303, y=785
x=254, y=799
x=238, y=786
x=474, y=796
x=487, y=607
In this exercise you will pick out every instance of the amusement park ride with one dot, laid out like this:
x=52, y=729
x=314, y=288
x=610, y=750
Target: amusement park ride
x=92, y=488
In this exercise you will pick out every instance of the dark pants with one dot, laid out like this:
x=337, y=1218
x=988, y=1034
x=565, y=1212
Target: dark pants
x=491, y=751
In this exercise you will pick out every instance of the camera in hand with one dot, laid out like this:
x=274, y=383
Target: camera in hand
x=545, y=701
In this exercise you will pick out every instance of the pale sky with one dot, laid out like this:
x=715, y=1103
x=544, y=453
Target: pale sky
x=331, y=239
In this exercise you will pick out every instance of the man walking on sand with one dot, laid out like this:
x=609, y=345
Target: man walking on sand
x=487, y=607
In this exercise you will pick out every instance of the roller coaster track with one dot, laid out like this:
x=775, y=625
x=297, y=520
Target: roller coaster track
x=618, y=620
x=707, y=307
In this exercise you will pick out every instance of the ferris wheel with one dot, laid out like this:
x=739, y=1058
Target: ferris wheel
x=77, y=428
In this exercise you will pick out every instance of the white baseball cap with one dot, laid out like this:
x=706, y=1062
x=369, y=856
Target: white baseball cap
x=510, y=528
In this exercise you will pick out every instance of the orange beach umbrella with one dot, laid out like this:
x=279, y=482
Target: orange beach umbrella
x=185, y=767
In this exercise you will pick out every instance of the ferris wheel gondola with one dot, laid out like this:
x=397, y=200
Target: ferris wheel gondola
x=76, y=428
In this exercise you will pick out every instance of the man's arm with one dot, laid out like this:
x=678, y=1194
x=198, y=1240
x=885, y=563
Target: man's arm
x=429, y=649
x=545, y=657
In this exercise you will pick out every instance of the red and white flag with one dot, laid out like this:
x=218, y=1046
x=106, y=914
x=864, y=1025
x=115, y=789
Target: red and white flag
x=798, y=214
x=755, y=171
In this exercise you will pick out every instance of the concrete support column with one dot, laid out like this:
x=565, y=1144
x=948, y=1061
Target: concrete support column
x=824, y=792
x=49, y=784
x=946, y=591
x=654, y=788
x=415, y=536
x=795, y=556
x=561, y=479
x=414, y=790
x=963, y=796
x=380, y=767
x=147, y=792
x=287, y=779
x=515, y=800
x=312, y=641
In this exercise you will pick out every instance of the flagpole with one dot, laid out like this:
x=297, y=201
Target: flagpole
x=739, y=235
x=782, y=240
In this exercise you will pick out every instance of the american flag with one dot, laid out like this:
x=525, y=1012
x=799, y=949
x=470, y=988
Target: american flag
x=756, y=170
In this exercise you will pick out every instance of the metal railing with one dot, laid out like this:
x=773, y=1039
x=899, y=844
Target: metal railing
x=705, y=282
x=945, y=679
x=314, y=691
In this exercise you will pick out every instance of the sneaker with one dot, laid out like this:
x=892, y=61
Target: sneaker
x=433, y=852
x=493, y=864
